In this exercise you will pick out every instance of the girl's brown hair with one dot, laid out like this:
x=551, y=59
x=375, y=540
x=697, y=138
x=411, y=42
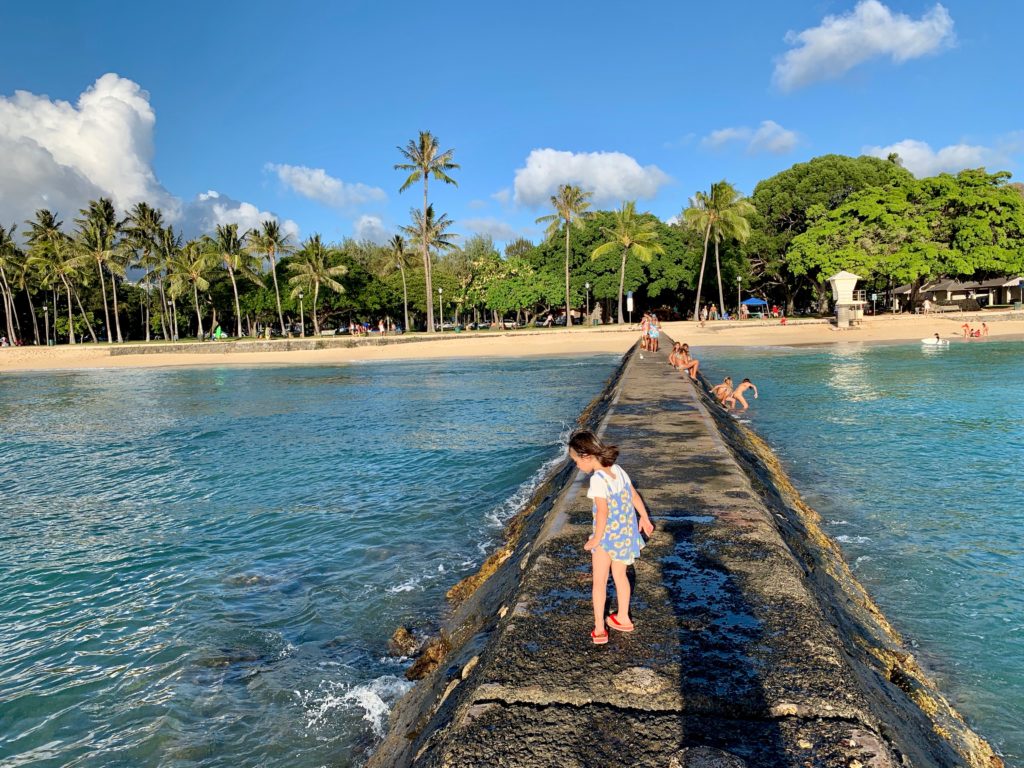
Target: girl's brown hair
x=586, y=443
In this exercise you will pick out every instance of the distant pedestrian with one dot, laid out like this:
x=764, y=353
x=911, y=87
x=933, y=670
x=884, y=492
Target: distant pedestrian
x=714, y=312
x=653, y=333
x=615, y=541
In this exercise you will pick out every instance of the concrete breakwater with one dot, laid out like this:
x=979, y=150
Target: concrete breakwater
x=754, y=643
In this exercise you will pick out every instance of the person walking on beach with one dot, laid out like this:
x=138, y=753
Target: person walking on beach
x=737, y=394
x=615, y=541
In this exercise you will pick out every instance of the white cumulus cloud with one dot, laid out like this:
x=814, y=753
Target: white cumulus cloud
x=315, y=184
x=371, y=228
x=768, y=137
x=840, y=43
x=611, y=176
x=59, y=155
x=498, y=230
x=921, y=160
x=202, y=215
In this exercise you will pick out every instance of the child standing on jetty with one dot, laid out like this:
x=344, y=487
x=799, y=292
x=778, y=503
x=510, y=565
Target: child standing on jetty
x=615, y=541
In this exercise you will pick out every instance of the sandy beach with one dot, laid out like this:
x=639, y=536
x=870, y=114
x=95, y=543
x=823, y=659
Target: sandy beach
x=525, y=343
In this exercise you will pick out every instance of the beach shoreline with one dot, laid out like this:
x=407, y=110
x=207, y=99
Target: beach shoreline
x=506, y=344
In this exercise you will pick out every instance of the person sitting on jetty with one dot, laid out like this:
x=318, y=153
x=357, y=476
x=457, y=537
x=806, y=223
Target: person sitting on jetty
x=737, y=395
x=615, y=541
x=721, y=392
x=687, y=363
x=675, y=356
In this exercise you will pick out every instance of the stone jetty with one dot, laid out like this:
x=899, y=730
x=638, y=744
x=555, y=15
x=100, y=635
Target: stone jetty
x=754, y=643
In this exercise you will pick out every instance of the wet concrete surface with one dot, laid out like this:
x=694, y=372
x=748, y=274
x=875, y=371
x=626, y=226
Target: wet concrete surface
x=733, y=661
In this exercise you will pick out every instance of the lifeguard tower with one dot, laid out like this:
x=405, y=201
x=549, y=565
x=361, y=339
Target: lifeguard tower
x=849, y=302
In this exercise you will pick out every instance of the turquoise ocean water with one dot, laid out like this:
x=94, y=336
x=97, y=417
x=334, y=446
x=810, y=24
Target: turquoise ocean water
x=914, y=456
x=202, y=567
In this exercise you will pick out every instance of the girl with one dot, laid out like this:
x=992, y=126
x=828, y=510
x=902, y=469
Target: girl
x=615, y=541
x=688, y=364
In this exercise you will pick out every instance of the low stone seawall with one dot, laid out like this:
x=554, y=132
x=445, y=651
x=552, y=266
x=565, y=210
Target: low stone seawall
x=754, y=643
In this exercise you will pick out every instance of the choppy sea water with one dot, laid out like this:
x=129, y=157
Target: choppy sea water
x=914, y=456
x=203, y=566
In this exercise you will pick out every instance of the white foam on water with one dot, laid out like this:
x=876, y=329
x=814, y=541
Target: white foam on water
x=508, y=508
x=406, y=586
x=861, y=559
x=853, y=539
x=373, y=700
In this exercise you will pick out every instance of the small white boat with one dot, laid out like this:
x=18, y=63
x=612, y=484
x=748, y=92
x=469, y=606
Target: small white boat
x=935, y=342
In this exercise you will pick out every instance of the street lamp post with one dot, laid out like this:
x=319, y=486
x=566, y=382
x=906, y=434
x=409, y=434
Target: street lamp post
x=302, y=315
x=46, y=316
x=739, y=281
x=587, y=286
x=440, y=309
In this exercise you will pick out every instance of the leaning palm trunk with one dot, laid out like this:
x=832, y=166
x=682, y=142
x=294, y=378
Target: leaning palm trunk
x=92, y=333
x=199, y=314
x=568, y=316
x=117, y=314
x=426, y=264
x=71, y=316
x=32, y=311
x=721, y=295
x=238, y=308
x=9, y=313
x=277, y=293
x=165, y=322
x=622, y=282
x=405, y=297
x=316, y=295
x=700, y=279
x=106, y=311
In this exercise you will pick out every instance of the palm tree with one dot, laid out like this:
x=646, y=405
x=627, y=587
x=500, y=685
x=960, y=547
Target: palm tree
x=723, y=214
x=311, y=269
x=426, y=160
x=9, y=260
x=570, y=204
x=401, y=259
x=58, y=262
x=189, y=266
x=632, y=232
x=145, y=226
x=97, y=236
x=272, y=241
x=232, y=251
x=431, y=234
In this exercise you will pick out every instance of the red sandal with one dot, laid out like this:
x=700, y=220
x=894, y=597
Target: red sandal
x=617, y=625
x=599, y=639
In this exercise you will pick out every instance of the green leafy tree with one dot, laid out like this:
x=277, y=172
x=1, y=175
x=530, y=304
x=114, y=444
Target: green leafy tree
x=630, y=233
x=571, y=205
x=783, y=203
x=311, y=269
x=721, y=214
x=426, y=160
x=271, y=240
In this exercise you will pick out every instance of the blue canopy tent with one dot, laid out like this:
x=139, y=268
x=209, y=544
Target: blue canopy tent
x=757, y=305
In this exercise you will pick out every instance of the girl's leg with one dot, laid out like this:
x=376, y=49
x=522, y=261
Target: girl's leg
x=601, y=564
x=622, y=592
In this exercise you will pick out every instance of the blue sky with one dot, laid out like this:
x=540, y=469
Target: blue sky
x=296, y=110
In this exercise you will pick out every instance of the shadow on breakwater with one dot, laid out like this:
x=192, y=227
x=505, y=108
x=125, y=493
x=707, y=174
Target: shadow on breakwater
x=752, y=646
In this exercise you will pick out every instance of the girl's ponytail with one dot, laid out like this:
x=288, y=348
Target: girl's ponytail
x=586, y=443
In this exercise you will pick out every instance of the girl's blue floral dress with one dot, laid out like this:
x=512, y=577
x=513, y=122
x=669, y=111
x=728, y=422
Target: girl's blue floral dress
x=621, y=540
